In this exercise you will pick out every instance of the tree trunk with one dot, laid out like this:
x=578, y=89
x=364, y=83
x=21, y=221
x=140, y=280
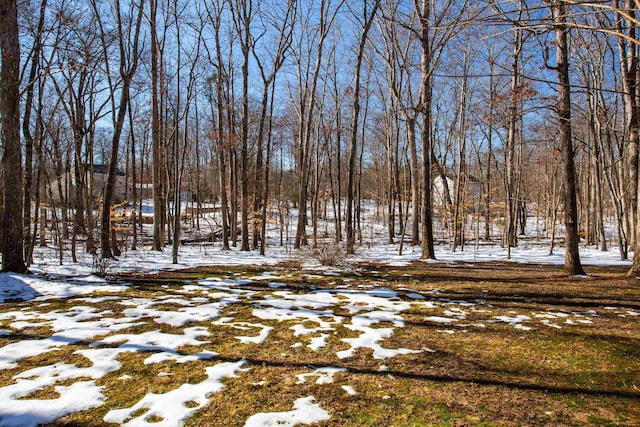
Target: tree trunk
x=243, y=23
x=26, y=131
x=128, y=67
x=156, y=142
x=572, y=263
x=415, y=179
x=353, y=152
x=510, y=151
x=13, y=243
x=134, y=193
x=630, y=77
x=428, y=250
x=221, y=139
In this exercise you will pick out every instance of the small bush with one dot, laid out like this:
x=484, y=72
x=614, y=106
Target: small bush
x=290, y=264
x=330, y=254
x=101, y=266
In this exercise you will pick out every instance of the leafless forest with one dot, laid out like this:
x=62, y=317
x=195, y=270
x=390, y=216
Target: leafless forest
x=464, y=117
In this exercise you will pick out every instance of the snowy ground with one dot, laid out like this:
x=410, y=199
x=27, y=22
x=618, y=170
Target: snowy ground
x=104, y=340
x=46, y=259
x=201, y=301
x=374, y=314
x=90, y=324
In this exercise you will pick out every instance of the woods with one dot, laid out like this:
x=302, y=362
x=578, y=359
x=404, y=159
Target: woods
x=254, y=122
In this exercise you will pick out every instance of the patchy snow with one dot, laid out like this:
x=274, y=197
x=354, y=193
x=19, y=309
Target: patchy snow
x=550, y=324
x=259, y=339
x=304, y=412
x=30, y=286
x=371, y=312
x=515, y=321
x=374, y=313
x=350, y=391
x=312, y=311
x=174, y=407
x=178, y=358
x=379, y=306
x=99, y=299
x=301, y=307
x=370, y=337
x=80, y=280
x=534, y=254
x=440, y=319
x=71, y=327
x=324, y=375
x=16, y=412
x=166, y=344
x=176, y=318
x=245, y=326
x=318, y=342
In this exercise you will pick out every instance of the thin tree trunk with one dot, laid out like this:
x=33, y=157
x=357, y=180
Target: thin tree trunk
x=428, y=250
x=127, y=71
x=415, y=179
x=368, y=20
x=510, y=152
x=488, y=185
x=134, y=195
x=156, y=138
x=26, y=131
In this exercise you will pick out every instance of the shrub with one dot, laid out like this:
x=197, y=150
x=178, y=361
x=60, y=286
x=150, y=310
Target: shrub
x=290, y=264
x=330, y=254
x=101, y=265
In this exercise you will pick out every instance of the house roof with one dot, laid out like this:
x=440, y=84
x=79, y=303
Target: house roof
x=102, y=169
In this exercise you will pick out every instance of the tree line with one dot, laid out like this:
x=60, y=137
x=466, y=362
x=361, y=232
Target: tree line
x=446, y=114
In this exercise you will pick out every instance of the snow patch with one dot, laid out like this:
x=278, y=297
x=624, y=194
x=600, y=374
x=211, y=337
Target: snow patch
x=304, y=412
x=324, y=375
x=439, y=319
x=176, y=406
x=350, y=391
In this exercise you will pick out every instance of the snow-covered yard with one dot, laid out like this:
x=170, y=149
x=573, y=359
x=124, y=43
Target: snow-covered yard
x=66, y=334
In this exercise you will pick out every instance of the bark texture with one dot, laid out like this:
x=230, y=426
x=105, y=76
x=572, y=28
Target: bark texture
x=12, y=245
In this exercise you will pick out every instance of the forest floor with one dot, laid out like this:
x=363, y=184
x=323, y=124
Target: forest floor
x=444, y=344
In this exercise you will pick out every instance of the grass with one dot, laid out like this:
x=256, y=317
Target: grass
x=496, y=375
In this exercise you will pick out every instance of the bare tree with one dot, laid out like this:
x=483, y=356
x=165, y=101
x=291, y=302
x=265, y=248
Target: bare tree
x=30, y=88
x=630, y=76
x=285, y=26
x=81, y=53
x=398, y=57
x=243, y=12
x=512, y=135
x=308, y=75
x=572, y=255
x=157, y=148
x=590, y=50
x=434, y=28
x=129, y=54
x=217, y=98
x=368, y=14
x=181, y=137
